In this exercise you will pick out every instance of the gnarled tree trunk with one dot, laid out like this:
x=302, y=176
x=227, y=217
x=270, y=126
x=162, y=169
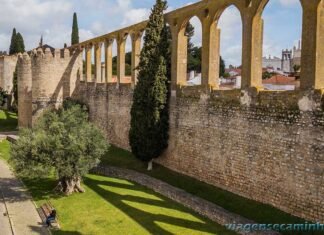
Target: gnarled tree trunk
x=69, y=185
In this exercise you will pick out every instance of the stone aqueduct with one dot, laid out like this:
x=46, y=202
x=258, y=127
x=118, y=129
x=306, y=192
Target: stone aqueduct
x=263, y=145
x=209, y=13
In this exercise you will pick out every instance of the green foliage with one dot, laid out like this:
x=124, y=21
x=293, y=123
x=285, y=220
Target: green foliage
x=190, y=32
x=20, y=43
x=222, y=68
x=69, y=103
x=149, y=114
x=14, y=106
x=128, y=64
x=3, y=96
x=12, y=49
x=194, y=53
x=17, y=44
x=8, y=121
x=296, y=68
x=62, y=140
x=75, y=30
x=267, y=75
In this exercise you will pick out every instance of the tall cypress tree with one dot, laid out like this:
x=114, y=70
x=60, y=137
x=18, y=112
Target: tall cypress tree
x=148, y=135
x=12, y=49
x=20, y=45
x=75, y=30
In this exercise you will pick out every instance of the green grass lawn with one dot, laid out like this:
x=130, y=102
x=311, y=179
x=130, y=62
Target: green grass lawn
x=8, y=121
x=115, y=206
x=4, y=150
x=250, y=209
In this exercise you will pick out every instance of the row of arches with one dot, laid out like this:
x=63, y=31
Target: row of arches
x=199, y=53
x=279, y=33
x=103, y=58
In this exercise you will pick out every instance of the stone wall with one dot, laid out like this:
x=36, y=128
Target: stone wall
x=256, y=144
x=109, y=109
x=269, y=151
x=44, y=80
x=7, y=69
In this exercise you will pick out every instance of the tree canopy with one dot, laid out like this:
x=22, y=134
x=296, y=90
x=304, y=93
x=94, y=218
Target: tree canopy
x=12, y=49
x=75, y=30
x=149, y=114
x=62, y=140
x=17, y=44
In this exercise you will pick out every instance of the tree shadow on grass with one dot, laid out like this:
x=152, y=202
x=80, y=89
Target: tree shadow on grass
x=146, y=219
x=44, y=231
x=62, y=232
x=9, y=123
x=42, y=189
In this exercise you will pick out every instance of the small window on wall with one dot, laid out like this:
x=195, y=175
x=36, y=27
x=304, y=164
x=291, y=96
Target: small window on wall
x=281, y=45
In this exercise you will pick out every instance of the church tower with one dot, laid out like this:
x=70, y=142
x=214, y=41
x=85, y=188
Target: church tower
x=286, y=61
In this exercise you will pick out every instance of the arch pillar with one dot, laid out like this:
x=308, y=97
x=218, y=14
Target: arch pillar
x=312, y=58
x=179, y=56
x=98, y=62
x=252, y=50
x=108, y=60
x=121, y=48
x=136, y=51
x=210, y=54
x=88, y=51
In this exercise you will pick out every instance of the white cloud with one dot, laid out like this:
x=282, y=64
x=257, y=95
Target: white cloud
x=53, y=19
x=32, y=18
x=230, y=25
x=133, y=16
x=289, y=2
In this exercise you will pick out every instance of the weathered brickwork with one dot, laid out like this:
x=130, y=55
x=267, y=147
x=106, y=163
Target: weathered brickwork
x=7, y=69
x=44, y=80
x=109, y=109
x=265, y=152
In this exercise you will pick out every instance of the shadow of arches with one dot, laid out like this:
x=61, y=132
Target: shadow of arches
x=148, y=220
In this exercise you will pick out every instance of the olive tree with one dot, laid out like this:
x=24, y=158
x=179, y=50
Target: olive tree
x=62, y=141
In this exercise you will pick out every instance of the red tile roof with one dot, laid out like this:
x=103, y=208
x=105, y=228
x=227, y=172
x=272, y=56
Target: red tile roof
x=280, y=80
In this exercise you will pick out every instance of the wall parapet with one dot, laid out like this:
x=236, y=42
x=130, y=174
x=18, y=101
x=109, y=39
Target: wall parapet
x=45, y=79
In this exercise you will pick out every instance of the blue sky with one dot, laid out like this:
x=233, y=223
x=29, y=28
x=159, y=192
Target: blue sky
x=53, y=19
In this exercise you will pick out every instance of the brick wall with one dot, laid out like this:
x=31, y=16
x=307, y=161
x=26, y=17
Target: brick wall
x=109, y=109
x=269, y=151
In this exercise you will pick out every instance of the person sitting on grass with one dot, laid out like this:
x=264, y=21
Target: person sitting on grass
x=51, y=218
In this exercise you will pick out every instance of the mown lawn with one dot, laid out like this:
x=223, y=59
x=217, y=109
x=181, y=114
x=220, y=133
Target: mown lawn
x=4, y=150
x=115, y=206
x=250, y=209
x=8, y=121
